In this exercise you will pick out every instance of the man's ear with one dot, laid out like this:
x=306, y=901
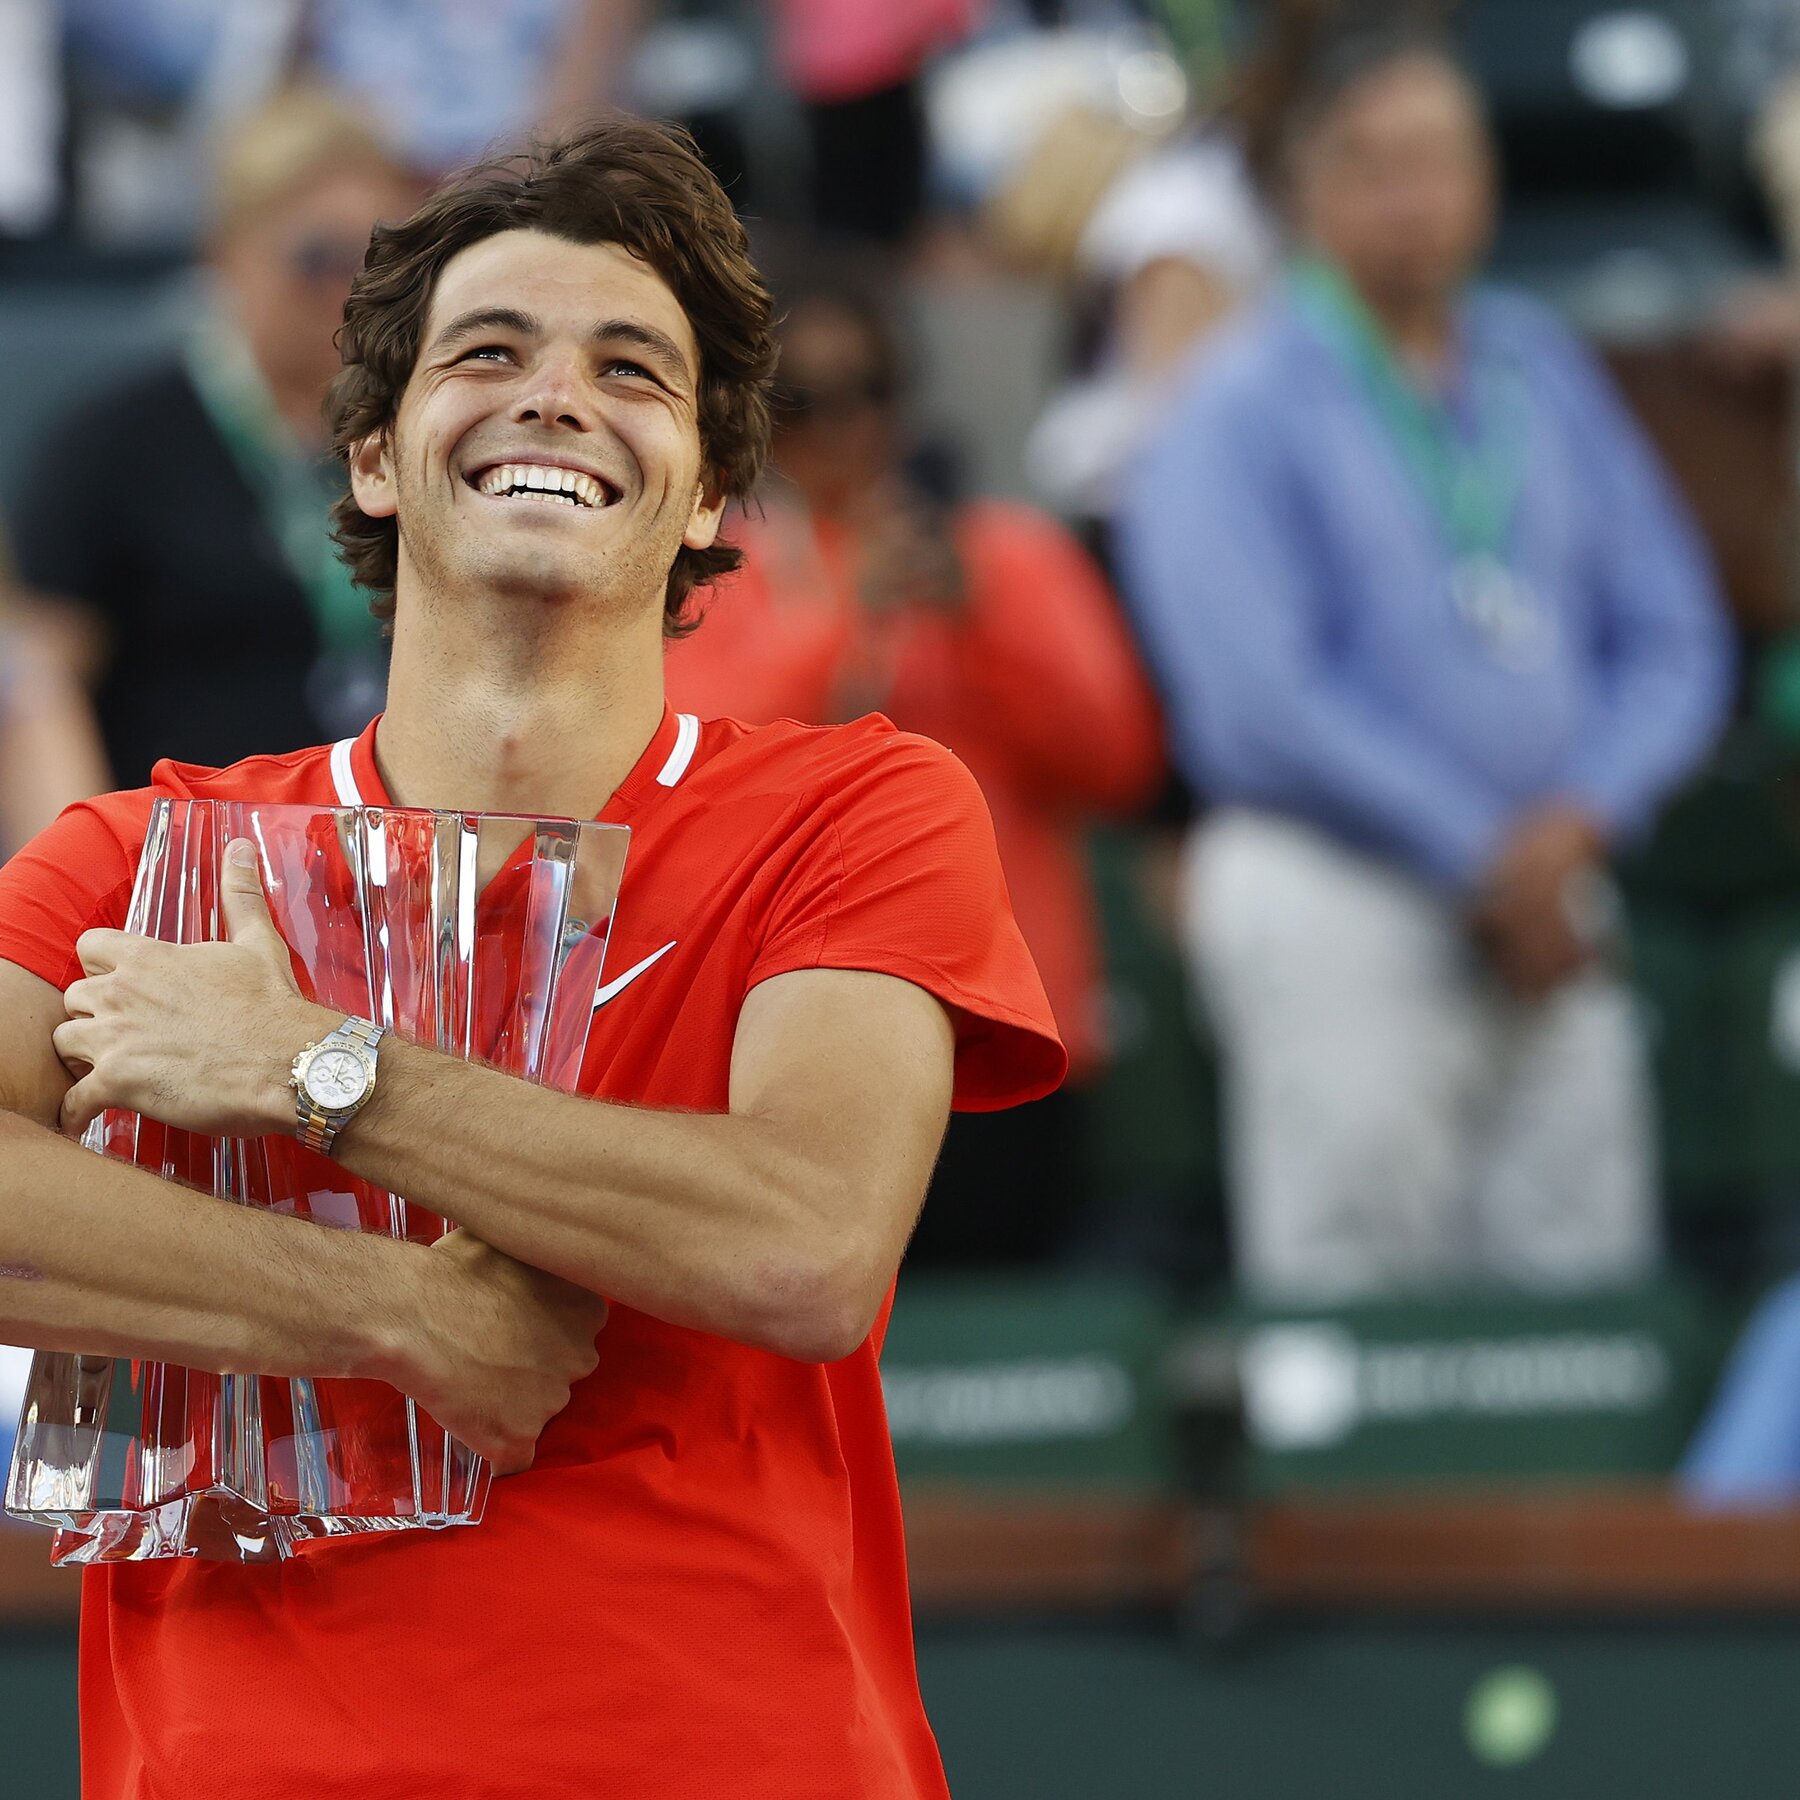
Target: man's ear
x=704, y=521
x=372, y=477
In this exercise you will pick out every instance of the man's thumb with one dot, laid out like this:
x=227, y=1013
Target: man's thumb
x=246, y=907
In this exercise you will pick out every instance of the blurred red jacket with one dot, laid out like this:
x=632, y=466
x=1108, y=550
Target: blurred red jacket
x=1034, y=684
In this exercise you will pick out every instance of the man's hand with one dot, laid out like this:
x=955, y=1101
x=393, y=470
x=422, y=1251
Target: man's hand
x=908, y=556
x=906, y=565
x=1532, y=914
x=199, y=1036
x=496, y=1348
x=1755, y=329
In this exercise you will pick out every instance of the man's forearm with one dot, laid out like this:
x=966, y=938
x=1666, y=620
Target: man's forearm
x=98, y=1256
x=702, y=1219
x=778, y=1223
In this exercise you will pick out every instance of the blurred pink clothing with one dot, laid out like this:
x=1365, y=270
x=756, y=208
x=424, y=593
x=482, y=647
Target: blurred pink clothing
x=1036, y=688
x=843, y=49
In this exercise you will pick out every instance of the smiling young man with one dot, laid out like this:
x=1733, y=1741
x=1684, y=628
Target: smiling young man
x=556, y=380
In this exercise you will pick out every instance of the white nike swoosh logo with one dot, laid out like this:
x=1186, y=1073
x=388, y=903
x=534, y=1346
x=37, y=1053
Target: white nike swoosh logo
x=617, y=987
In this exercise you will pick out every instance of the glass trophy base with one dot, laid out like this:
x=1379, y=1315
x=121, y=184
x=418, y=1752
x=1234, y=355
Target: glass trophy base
x=130, y=1461
x=217, y=1526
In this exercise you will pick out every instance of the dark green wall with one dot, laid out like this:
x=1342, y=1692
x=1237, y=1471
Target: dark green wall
x=37, y=1716
x=1356, y=1712
x=1321, y=1712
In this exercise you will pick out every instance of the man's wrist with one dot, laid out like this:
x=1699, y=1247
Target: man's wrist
x=390, y=1335
x=305, y=1026
x=1587, y=828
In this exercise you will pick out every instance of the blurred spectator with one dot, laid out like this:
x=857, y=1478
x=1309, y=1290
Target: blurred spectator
x=1746, y=1453
x=15, y=1369
x=226, y=621
x=855, y=68
x=1436, y=637
x=1758, y=321
x=158, y=83
x=153, y=84
x=30, y=116
x=1757, y=328
x=453, y=80
x=984, y=626
x=1176, y=244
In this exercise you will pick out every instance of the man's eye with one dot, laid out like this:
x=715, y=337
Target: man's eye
x=626, y=365
x=495, y=351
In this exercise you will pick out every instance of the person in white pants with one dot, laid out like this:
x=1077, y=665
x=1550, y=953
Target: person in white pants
x=1435, y=637
x=1397, y=1118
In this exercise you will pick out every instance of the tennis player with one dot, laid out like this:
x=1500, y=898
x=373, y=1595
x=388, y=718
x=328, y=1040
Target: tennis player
x=556, y=379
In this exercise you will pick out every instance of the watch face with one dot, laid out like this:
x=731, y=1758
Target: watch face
x=336, y=1079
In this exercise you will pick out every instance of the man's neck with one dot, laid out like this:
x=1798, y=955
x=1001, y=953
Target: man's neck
x=298, y=399
x=1421, y=328
x=549, y=731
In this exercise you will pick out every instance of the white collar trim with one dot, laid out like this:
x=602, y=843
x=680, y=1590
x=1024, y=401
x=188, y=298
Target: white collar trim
x=343, y=776
x=687, y=740
x=681, y=753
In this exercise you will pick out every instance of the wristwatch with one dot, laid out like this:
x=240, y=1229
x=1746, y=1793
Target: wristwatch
x=333, y=1080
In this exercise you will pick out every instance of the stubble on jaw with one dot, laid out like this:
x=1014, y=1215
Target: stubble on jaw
x=621, y=579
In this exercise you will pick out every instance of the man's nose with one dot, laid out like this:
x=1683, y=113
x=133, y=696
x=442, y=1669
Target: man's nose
x=556, y=394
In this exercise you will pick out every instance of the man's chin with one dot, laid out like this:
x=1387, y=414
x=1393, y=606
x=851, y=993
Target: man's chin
x=539, y=572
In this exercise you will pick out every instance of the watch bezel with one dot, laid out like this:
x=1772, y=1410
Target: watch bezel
x=350, y=1047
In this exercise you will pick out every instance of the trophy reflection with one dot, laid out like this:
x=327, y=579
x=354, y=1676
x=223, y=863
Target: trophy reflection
x=481, y=934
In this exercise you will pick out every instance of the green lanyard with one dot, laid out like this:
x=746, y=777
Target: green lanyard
x=1471, y=481
x=293, y=490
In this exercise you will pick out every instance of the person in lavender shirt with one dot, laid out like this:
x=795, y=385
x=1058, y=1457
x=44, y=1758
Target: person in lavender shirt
x=1436, y=638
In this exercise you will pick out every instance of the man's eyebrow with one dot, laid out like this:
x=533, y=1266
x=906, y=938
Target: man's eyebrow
x=485, y=318
x=657, y=345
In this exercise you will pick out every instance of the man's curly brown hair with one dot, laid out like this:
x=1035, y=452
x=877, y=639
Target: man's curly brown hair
x=642, y=186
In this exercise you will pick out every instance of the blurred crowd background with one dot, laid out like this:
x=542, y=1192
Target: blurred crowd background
x=1329, y=469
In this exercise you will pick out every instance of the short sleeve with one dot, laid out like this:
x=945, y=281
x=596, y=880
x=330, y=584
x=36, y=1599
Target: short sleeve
x=73, y=876
x=894, y=869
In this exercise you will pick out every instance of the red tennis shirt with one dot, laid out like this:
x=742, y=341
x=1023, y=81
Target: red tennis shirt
x=699, y=1588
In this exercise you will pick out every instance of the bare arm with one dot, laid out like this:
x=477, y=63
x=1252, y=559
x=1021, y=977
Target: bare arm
x=101, y=1257
x=590, y=69
x=33, y=1080
x=50, y=749
x=779, y=1223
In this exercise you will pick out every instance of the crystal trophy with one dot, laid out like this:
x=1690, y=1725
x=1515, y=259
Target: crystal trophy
x=481, y=934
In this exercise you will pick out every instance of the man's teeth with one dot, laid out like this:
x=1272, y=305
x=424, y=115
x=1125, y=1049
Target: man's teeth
x=570, y=486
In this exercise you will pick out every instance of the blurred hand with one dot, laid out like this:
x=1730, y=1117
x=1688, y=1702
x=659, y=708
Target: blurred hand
x=907, y=555
x=1532, y=914
x=1756, y=328
x=497, y=1347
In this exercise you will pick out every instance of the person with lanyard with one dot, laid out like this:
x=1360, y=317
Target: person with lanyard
x=221, y=617
x=1436, y=638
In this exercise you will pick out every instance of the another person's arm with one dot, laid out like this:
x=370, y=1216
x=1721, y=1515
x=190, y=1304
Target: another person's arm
x=1213, y=559
x=589, y=71
x=1662, y=644
x=1662, y=662
x=50, y=749
x=1045, y=659
x=68, y=562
